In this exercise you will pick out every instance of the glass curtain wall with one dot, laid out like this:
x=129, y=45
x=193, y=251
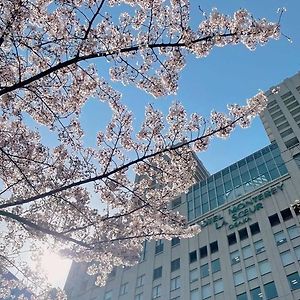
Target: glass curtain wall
x=236, y=180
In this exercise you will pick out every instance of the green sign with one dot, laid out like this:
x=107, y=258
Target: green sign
x=241, y=213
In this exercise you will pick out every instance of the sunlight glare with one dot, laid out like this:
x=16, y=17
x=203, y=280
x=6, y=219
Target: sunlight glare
x=56, y=268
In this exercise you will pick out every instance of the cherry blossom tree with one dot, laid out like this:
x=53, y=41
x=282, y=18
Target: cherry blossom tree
x=50, y=66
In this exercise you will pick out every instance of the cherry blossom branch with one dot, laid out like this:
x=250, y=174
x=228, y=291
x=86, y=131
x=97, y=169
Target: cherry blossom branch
x=12, y=264
x=118, y=169
x=17, y=166
x=10, y=186
x=105, y=54
x=62, y=236
x=42, y=229
x=92, y=21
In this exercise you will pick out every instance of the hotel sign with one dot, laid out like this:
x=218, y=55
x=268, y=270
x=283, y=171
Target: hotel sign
x=241, y=213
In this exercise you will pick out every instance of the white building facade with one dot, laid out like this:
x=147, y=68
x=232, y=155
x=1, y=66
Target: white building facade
x=249, y=247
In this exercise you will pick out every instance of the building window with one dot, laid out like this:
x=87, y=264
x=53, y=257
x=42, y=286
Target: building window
x=193, y=275
x=296, y=204
x=254, y=228
x=280, y=238
x=204, y=271
x=124, y=288
x=108, y=295
x=293, y=232
x=295, y=112
x=286, y=258
x=157, y=273
x=238, y=278
x=256, y=294
x=235, y=257
x=297, y=119
x=251, y=272
x=194, y=294
x=272, y=103
x=276, y=114
x=286, y=95
x=264, y=267
x=247, y=252
x=243, y=234
x=231, y=239
x=175, y=241
x=140, y=280
x=159, y=246
x=218, y=286
x=214, y=247
x=242, y=296
x=280, y=120
x=193, y=256
x=297, y=251
x=175, y=264
x=294, y=281
x=203, y=252
x=215, y=266
x=292, y=142
x=144, y=252
x=291, y=103
x=297, y=158
x=259, y=246
x=286, y=214
x=156, y=291
x=139, y=296
x=206, y=291
x=176, y=202
x=283, y=126
x=175, y=283
x=274, y=220
x=286, y=132
x=270, y=290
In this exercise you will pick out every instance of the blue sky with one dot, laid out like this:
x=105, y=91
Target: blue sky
x=228, y=75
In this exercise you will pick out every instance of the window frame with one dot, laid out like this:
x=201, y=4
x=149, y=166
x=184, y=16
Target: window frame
x=159, y=247
x=157, y=289
x=123, y=288
x=204, y=270
x=140, y=280
x=291, y=281
x=175, y=264
x=264, y=262
x=280, y=237
x=193, y=256
x=175, y=242
x=157, y=273
x=269, y=292
x=235, y=259
x=215, y=266
x=177, y=284
x=214, y=247
x=238, y=275
x=203, y=252
x=286, y=262
x=254, y=228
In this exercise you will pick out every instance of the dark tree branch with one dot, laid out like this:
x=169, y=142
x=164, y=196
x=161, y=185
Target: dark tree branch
x=42, y=229
x=116, y=170
x=77, y=59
